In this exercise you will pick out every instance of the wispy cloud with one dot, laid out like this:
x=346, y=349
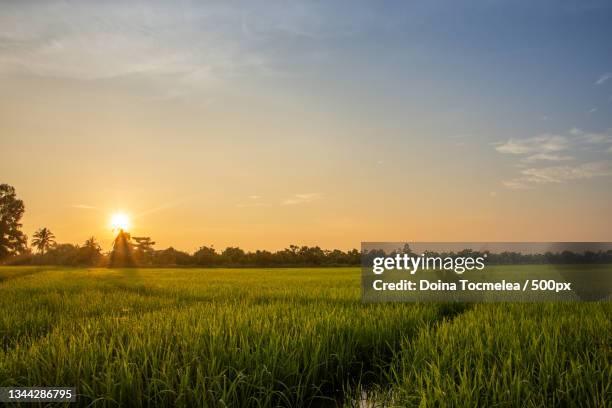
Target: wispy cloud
x=516, y=184
x=177, y=50
x=254, y=201
x=603, y=78
x=585, y=139
x=552, y=148
x=545, y=143
x=547, y=146
x=548, y=157
x=559, y=174
x=302, y=198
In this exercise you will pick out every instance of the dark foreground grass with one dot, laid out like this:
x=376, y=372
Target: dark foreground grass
x=287, y=337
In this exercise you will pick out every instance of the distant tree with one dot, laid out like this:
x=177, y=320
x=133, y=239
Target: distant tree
x=143, y=249
x=89, y=254
x=205, y=256
x=59, y=254
x=43, y=239
x=12, y=240
x=171, y=256
x=92, y=243
x=311, y=255
x=232, y=256
x=143, y=244
x=263, y=258
x=122, y=254
x=407, y=250
x=353, y=257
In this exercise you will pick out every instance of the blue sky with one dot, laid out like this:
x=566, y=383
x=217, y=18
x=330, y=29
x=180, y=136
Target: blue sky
x=485, y=106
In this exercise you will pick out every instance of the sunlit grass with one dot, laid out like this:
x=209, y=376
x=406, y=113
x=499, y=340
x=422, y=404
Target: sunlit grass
x=284, y=337
x=517, y=355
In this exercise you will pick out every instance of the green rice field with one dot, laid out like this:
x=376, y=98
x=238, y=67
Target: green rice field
x=291, y=338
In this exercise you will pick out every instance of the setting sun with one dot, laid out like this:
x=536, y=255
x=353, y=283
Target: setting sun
x=120, y=221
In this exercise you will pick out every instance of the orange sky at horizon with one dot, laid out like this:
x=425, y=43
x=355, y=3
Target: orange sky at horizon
x=262, y=127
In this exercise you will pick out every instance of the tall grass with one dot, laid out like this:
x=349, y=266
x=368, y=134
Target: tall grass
x=510, y=355
x=287, y=337
x=198, y=337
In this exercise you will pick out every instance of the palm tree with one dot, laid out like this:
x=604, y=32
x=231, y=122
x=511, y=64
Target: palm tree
x=92, y=243
x=43, y=240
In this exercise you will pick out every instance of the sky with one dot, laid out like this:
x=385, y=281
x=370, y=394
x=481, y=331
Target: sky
x=265, y=124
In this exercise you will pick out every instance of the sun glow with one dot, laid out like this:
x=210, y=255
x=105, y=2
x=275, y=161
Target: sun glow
x=120, y=221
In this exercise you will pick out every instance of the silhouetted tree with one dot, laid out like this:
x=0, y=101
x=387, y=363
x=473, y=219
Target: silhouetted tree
x=12, y=240
x=143, y=250
x=122, y=254
x=92, y=243
x=171, y=256
x=232, y=256
x=59, y=254
x=90, y=253
x=205, y=256
x=43, y=239
x=144, y=244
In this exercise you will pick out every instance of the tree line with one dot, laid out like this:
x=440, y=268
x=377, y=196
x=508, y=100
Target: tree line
x=130, y=251
x=139, y=251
